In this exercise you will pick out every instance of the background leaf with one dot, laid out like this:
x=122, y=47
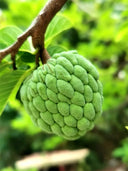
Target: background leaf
x=8, y=36
x=126, y=127
x=57, y=25
x=9, y=85
x=26, y=56
x=55, y=49
x=4, y=68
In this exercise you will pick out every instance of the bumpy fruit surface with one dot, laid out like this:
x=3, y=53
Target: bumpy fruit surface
x=64, y=96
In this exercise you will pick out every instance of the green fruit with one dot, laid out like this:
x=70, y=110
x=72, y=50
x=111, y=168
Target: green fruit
x=64, y=96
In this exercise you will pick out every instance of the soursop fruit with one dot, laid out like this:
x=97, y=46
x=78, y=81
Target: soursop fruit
x=64, y=96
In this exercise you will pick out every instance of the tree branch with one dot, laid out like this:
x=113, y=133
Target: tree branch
x=37, y=31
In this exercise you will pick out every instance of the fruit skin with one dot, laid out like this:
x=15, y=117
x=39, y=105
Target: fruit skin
x=64, y=96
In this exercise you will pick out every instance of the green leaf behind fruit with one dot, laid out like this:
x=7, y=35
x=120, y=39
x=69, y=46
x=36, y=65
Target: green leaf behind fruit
x=9, y=35
x=9, y=85
x=55, y=49
x=57, y=25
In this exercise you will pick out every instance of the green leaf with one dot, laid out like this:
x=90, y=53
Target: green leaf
x=55, y=49
x=9, y=85
x=26, y=57
x=4, y=68
x=121, y=35
x=57, y=25
x=2, y=45
x=52, y=142
x=126, y=127
x=9, y=35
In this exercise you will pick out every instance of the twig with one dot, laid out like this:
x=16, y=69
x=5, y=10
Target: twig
x=37, y=31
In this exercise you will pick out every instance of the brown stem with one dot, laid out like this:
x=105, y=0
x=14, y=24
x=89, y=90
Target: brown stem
x=37, y=31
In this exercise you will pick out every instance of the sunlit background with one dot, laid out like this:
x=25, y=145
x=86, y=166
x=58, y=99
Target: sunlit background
x=100, y=33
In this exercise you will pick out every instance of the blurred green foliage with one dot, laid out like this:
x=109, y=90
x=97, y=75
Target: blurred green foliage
x=99, y=32
x=12, y=169
x=122, y=152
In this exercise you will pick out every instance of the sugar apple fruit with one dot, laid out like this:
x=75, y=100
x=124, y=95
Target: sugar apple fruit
x=64, y=96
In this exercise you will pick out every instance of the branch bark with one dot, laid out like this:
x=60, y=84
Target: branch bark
x=37, y=31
